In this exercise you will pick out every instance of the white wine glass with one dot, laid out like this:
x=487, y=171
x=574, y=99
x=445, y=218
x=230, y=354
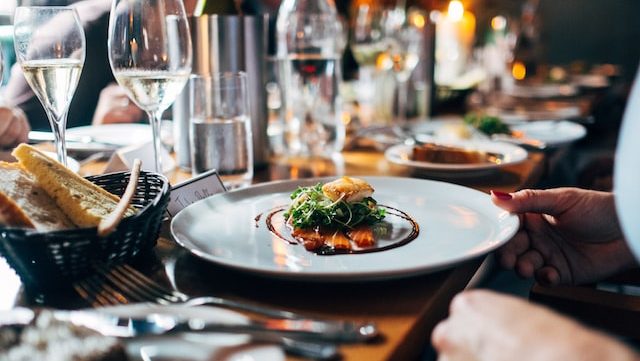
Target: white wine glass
x=1, y=66
x=403, y=40
x=150, y=55
x=50, y=47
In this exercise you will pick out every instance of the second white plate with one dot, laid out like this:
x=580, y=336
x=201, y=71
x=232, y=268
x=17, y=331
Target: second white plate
x=511, y=154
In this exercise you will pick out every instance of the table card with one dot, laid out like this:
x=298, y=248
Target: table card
x=194, y=189
x=122, y=159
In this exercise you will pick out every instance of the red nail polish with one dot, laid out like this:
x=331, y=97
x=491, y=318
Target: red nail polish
x=502, y=195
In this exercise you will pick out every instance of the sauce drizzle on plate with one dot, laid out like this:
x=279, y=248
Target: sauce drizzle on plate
x=396, y=230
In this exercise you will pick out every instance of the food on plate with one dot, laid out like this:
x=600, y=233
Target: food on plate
x=487, y=124
x=436, y=153
x=454, y=130
x=339, y=215
x=83, y=203
x=46, y=338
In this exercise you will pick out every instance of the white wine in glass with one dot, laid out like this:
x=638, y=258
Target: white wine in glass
x=150, y=55
x=50, y=47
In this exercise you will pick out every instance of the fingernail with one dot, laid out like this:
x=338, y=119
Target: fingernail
x=502, y=195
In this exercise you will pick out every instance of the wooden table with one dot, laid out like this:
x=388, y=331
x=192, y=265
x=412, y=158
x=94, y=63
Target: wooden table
x=405, y=310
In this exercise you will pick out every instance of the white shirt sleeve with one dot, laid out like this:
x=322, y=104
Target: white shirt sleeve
x=627, y=171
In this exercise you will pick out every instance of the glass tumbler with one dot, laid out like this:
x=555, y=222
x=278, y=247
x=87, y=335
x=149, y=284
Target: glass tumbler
x=220, y=127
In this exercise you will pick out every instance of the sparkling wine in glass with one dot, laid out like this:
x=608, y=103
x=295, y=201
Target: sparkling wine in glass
x=150, y=55
x=403, y=40
x=50, y=47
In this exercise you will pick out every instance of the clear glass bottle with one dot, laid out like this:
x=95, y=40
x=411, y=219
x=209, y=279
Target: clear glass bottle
x=309, y=51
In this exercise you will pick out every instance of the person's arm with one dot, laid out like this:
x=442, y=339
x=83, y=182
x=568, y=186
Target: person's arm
x=567, y=235
x=114, y=106
x=486, y=326
x=14, y=127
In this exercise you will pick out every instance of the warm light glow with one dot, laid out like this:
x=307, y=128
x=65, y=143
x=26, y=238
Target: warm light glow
x=519, y=71
x=418, y=20
x=456, y=10
x=498, y=23
x=384, y=62
x=346, y=117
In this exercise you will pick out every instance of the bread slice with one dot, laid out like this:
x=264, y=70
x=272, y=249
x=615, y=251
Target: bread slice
x=82, y=201
x=12, y=215
x=24, y=204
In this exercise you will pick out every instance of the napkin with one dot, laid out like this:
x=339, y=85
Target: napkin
x=122, y=159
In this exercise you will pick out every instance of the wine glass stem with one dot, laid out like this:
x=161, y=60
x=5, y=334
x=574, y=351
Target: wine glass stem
x=58, y=127
x=402, y=102
x=155, y=119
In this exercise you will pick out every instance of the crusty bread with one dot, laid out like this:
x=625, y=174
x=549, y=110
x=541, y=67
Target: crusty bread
x=12, y=215
x=82, y=201
x=24, y=204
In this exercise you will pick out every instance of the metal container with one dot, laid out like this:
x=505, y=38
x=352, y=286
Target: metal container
x=228, y=43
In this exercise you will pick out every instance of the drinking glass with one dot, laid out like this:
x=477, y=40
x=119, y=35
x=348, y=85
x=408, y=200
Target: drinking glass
x=150, y=55
x=50, y=47
x=367, y=43
x=220, y=127
x=402, y=54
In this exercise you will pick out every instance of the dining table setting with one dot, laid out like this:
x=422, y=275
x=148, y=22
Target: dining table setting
x=277, y=211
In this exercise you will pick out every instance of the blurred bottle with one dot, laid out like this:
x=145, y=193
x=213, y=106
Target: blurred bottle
x=220, y=7
x=526, y=57
x=309, y=48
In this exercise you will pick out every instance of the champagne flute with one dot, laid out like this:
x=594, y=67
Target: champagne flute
x=50, y=47
x=150, y=55
x=402, y=54
x=367, y=36
x=1, y=66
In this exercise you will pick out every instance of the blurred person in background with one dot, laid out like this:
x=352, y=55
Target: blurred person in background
x=97, y=100
x=567, y=236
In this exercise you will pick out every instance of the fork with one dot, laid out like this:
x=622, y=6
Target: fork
x=126, y=284
x=123, y=284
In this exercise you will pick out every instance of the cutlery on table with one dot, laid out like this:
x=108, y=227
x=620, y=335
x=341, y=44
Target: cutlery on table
x=527, y=143
x=124, y=284
x=160, y=324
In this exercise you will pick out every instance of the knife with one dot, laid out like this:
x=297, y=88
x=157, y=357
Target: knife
x=159, y=324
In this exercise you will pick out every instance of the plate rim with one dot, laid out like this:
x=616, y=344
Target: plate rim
x=441, y=167
x=336, y=276
x=581, y=129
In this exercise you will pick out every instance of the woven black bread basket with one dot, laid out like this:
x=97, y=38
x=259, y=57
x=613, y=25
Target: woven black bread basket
x=53, y=260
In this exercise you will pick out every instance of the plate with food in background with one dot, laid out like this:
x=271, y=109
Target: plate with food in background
x=536, y=135
x=456, y=157
x=344, y=229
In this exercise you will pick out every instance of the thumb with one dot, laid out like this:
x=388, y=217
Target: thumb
x=550, y=201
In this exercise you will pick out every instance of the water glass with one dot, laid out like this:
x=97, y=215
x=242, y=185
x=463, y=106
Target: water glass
x=220, y=127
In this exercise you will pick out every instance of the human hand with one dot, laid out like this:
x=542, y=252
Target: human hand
x=486, y=326
x=114, y=106
x=567, y=235
x=14, y=127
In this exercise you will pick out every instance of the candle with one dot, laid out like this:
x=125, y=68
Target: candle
x=455, y=33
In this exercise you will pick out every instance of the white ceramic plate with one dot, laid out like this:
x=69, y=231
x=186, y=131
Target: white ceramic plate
x=511, y=154
x=112, y=135
x=553, y=133
x=542, y=90
x=194, y=346
x=456, y=224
